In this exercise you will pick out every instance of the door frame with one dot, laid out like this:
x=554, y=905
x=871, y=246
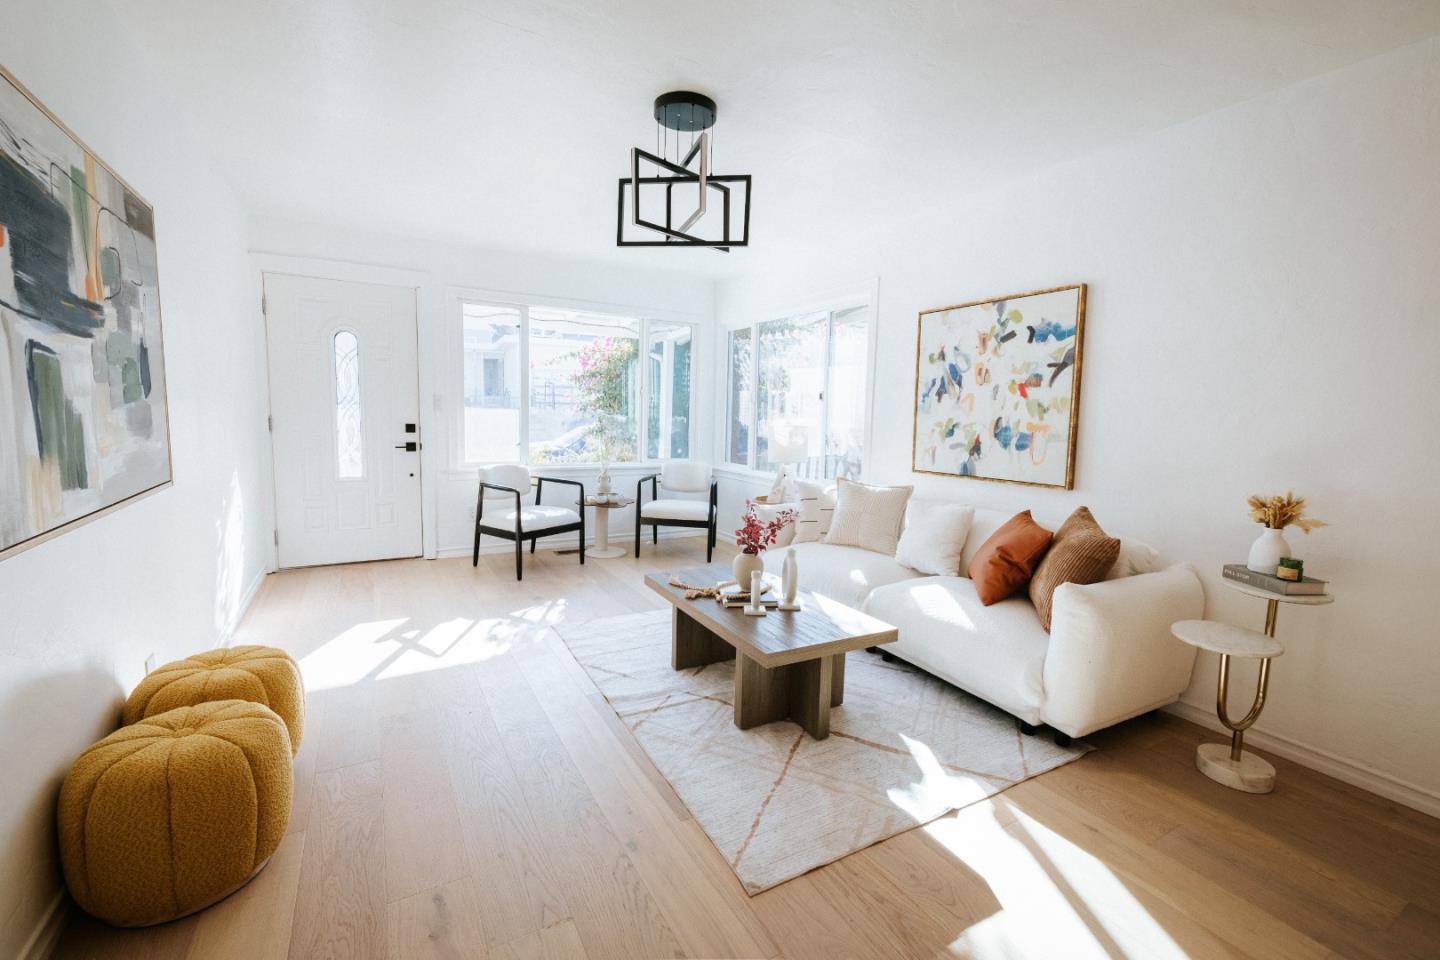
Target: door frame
x=431, y=453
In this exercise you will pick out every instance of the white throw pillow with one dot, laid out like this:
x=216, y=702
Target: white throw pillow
x=868, y=517
x=817, y=507
x=934, y=537
x=765, y=512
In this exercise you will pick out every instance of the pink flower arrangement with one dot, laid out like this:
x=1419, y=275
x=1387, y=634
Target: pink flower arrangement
x=756, y=536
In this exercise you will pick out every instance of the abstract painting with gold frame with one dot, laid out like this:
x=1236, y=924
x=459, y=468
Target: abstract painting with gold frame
x=997, y=388
x=84, y=422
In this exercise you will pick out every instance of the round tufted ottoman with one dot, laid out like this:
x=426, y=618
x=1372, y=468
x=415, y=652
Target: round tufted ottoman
x=168, y=815
x=259, y=674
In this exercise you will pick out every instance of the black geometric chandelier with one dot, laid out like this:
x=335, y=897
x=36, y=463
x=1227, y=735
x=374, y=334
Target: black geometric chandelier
x=671, y=199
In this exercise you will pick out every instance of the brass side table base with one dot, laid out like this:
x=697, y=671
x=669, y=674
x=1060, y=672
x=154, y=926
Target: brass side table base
x=1250, y=773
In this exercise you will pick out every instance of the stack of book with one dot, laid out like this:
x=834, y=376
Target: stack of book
x=1305, y=587
x=733, y=596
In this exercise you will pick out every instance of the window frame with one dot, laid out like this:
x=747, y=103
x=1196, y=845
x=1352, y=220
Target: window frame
x=830, y=306
x=523, y=304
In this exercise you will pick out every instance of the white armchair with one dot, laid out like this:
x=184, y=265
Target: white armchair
x=504, y=487
x=678, y=477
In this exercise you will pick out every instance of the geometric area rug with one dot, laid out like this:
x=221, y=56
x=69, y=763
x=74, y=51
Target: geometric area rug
x=904, y=748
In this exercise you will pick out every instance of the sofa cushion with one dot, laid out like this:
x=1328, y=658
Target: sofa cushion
x=1081, y=553
x=934, y=537
x=673, y=508
x=996, y=652
x=1008, y=559
x=868, y=516
x=846, y=574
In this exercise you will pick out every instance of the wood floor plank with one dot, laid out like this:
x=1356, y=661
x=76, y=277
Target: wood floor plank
x=442, y=923
x=613, y=908
x=693, y=884
x=341, y=911
x=254, y=922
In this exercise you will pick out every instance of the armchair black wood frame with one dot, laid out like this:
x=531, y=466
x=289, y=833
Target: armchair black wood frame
x=655, y=523
x=520, y=535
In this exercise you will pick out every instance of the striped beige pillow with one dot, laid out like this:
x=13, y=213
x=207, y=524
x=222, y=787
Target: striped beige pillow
x=1080, y=553
x=868, y=516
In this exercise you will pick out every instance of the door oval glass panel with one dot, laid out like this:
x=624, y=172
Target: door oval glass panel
x=349, y=423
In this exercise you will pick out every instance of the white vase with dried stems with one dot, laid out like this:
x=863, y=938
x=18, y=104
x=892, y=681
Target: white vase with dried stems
x=1276, y=513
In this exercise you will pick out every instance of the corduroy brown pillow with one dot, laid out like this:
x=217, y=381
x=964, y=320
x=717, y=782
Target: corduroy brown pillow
x=1006, y=561
x=1080, y=553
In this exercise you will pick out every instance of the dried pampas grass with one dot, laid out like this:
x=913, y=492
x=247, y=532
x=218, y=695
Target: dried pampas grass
x=1278, y=513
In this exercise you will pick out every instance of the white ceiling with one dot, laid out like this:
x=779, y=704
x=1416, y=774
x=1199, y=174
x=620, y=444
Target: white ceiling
x=506, y=124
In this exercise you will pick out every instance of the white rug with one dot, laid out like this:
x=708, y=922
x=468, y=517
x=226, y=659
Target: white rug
x=904, y=748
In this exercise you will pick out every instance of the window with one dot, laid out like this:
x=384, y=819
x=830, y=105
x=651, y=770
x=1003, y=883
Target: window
x=583, y=387
x=667, y=358
x=739, y=397
x=349, y=427
x=492, y=383
x=550, y=385
x=809, y=375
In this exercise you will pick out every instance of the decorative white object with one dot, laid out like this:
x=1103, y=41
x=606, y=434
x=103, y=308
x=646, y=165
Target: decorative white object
x=1266, y=551
x=602, y=482
x=868, y=516
x=934, y=536
x=755, y=608
x=789, y=581
x=745, y=565
x=777, y=489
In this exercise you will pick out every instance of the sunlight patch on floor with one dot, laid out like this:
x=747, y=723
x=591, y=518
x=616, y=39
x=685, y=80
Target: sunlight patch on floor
x=936, y=786
x=351, y=656
x=1057, y=900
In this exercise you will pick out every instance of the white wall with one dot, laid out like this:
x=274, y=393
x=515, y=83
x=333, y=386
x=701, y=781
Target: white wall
x=167, y=575
x=1262, y=303
x=442, y=271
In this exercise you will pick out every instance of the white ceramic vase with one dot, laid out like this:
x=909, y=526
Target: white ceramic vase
x=602, y=482
x=1266, y=551
x=789, y=578
x=745, y=564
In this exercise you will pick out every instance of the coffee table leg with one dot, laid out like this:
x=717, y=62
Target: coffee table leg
x=801, y=692
x=837, y=680
x=692, y=645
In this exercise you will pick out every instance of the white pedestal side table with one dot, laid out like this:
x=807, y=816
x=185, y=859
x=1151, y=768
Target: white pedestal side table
x=602, y=549
x=1231, y=765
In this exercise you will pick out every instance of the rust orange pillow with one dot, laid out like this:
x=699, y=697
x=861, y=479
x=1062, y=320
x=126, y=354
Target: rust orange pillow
x=1007, y=561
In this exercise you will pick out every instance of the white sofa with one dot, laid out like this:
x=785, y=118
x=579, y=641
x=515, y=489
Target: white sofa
x=1109, y=654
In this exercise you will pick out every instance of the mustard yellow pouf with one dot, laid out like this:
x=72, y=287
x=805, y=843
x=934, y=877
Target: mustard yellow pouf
x=170, y=814
x=260, y=674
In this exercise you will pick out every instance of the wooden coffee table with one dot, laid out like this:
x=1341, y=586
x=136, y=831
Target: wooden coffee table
x=788, y=665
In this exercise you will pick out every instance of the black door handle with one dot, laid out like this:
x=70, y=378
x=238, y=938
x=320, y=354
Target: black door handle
x=410, y=447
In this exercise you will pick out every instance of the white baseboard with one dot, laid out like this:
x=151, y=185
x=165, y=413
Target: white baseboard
x=626, y=538
x=47, y=932
x=1341, y=768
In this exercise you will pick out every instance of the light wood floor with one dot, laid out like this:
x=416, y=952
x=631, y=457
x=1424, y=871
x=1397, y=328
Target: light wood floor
x=464, y=791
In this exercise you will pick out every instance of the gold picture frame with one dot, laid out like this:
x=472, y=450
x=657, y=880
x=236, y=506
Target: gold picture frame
x=1003, y=434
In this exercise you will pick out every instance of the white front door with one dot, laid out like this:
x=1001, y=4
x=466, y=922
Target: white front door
x=344, y=405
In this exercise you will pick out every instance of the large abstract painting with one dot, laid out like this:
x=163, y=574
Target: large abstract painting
x=997, y=388
x=83, y=417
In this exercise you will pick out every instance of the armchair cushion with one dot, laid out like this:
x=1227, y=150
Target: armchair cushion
x=513, y=475
x=532, y=519
x=673, y=509
x=685, y=476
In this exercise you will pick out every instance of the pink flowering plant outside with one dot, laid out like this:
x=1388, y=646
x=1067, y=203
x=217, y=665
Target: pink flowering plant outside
x=757, y=535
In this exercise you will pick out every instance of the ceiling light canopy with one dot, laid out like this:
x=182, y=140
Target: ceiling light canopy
x=678, y=183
